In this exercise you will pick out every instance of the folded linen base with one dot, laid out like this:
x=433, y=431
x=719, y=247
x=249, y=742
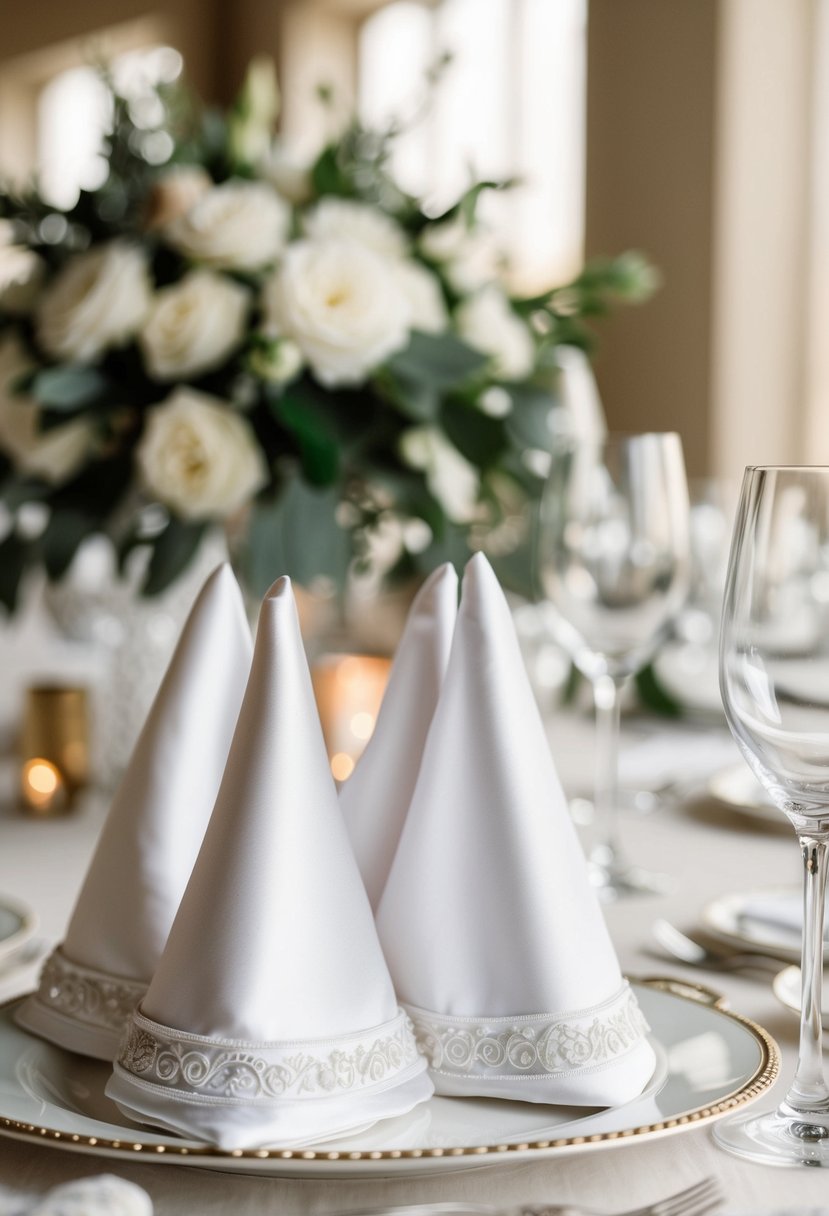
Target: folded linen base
x=240, y=1095
x=79, y=1008
x=590, y=1057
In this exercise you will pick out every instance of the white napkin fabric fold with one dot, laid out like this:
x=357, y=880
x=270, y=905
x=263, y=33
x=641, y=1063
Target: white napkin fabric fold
x=271, y=1017
x=92, y=982
x=375, y=798
x=493, y=935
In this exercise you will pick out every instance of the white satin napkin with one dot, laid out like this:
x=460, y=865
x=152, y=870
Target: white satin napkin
x=91, y=983
x=492, y=932
x=376, y=797
x=271, y=1018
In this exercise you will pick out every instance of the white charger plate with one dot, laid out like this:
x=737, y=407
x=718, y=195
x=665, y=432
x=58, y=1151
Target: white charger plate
x=786, y=987
x=729, y=918
x=17, y=924
x=710, y=1062
x=740, y=791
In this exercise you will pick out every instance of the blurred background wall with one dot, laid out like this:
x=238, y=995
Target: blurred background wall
x=695, y=130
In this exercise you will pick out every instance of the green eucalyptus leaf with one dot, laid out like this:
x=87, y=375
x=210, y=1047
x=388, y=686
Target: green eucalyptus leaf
x=172, y=550
x=297, y=534
x=62, y=537
x=318, y=448
x=14, y=557
x=530, y=423
x=438, y=361
x=68, y=387
x=479, y=438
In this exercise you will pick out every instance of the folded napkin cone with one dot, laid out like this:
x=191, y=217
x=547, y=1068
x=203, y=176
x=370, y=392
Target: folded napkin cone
x=493, y=935
x=90, y=985
x=376, y=797
x=271, y=1018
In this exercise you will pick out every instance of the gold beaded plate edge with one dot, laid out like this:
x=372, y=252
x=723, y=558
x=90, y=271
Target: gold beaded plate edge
x=711, y=1061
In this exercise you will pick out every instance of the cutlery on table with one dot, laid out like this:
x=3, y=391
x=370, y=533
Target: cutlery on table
x=697, y=1200
x=695, y=953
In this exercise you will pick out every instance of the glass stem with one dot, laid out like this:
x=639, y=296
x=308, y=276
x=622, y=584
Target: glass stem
x=606, y=695
x=808, y=1095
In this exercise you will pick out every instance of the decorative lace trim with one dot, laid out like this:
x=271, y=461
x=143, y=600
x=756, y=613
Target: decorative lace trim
x=88, y=996
x=528, y=1045
x=226, y=1069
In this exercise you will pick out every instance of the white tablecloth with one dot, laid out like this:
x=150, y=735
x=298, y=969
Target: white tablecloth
x=707, y=850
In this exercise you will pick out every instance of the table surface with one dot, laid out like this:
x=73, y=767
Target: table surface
x=704, y=848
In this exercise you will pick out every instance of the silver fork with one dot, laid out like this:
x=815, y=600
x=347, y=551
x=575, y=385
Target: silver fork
x=697, y=1200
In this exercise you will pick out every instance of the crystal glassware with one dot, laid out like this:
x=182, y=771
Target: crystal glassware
x=614, y=561
x=774, y=679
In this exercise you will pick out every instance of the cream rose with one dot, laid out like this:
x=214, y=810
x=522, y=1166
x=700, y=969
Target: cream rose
x=236, y=226
x=487, y=322
x=427, y=307
x=342, y=305
x=21, y=275
x=99, y=299
x=53, y=455
x=174, y=193
x=345, y=219
x=193, y=325
x=198, y=457
x=449, y=475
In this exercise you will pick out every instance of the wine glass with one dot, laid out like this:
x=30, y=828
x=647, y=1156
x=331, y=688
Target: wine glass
x=614, y=560
x=774, y=680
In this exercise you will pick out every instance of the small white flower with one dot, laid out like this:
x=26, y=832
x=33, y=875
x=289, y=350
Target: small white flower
x=345, y=219
x=174, y=193
x=21, y=275
x=487, y=322
x=99, y=299
x=56, y=454
x=495, y=402
x=278, y=362
x=200, y=458
x=427, y=307
x=288, y=173
x=236, y=226
x=342, y=305
x=453, y=481
x=469, y=257
x=193, y=325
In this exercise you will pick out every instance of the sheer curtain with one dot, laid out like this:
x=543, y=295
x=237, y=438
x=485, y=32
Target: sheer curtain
x=511, y=104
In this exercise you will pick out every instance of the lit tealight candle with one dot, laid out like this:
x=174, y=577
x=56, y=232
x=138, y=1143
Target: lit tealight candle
x=43, y=788
x=349, y=689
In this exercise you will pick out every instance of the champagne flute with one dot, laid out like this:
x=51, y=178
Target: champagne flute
x=774, y=680
x=614, y=560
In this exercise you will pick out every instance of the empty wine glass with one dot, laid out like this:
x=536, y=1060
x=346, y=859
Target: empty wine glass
x=614, y=562
x=774, y=679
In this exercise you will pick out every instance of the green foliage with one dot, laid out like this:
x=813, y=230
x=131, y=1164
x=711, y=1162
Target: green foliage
x=172, y=550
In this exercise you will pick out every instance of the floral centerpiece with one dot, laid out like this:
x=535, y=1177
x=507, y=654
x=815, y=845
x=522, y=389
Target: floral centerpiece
x=229, y=332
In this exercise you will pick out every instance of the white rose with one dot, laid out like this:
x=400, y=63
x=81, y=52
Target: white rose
x=193, y=325
x=487, y=322
x=21, y=275
x=345, y=219
x=198, y=457
x=99, y=299
x=449, y=475
x=53, y=455
x=290, y=175
x=342, y=305
x=427, y=307
x=277, y=361
x=235, y=226
x=174, y=193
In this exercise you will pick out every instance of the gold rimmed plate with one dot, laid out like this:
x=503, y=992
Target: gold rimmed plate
x=710, y=1061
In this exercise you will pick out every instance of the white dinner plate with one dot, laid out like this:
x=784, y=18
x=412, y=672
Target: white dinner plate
x=17, y=924
x=786, y=986
x=740, y=791
x=733, y=919
x=710, y=1061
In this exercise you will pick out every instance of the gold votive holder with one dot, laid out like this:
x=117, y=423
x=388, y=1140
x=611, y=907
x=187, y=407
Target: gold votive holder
x=54, y=748
x=348, y=690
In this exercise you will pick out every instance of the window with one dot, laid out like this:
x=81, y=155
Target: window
x=511, y=104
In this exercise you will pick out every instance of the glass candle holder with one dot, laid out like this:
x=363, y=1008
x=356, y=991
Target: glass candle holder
x=54, y=748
